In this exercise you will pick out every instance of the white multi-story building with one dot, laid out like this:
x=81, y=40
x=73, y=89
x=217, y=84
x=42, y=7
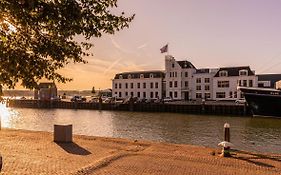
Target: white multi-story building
x=182, y=81
x=142, y=84
x=227, y=79
x=179, y=76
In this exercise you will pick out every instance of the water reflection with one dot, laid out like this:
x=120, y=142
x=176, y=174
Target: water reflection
x=252, y=134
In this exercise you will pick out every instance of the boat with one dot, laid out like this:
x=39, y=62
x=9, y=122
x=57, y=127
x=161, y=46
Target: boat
x=263, y=101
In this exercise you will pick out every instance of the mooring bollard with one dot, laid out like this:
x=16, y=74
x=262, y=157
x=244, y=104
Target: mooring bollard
x=226, y=143
x=226, y=132
x=63, y=133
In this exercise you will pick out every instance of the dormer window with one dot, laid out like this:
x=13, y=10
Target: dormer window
x=141, y=76
x=223, y=73
x=243, y=72
x=129, y=76
x=120, y=77
x=173, y=65
x=151, y=75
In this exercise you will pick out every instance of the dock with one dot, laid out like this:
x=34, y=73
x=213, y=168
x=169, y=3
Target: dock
x=196, y=108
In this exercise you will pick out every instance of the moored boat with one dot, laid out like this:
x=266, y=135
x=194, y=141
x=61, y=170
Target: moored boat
x=263, y=101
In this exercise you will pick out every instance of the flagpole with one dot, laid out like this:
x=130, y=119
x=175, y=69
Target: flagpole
x=168, y=49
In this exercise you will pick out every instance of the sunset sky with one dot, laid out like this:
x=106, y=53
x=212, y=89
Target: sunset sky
x=209, y=33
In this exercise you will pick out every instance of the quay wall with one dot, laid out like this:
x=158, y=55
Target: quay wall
x=210, y=109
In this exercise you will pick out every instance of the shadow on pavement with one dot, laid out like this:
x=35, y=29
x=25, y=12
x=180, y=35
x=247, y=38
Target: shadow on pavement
x=251, y=157
x=73, y=148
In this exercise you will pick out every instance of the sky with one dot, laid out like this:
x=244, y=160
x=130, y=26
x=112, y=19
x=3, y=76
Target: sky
x=209, y=33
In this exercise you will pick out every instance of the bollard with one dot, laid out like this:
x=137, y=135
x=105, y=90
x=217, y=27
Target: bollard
x=226, y=132
x=63, y=133
x=226, y=146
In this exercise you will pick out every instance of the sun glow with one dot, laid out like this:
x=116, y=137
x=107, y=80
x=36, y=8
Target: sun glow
x=5, y=115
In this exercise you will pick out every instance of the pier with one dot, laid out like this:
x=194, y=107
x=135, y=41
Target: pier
x=196, y=108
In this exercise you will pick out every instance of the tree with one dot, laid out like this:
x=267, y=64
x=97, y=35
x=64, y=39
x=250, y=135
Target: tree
x=37, y=36
x=93, y=90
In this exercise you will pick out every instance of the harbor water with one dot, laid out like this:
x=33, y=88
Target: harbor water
x=247, y=133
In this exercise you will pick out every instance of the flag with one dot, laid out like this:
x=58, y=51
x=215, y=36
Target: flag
x=164, y=49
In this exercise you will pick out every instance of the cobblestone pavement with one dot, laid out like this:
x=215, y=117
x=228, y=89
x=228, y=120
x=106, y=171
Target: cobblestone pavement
x=27, y=152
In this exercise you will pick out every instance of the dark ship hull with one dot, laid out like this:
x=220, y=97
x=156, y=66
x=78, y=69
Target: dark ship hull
x=263, y=102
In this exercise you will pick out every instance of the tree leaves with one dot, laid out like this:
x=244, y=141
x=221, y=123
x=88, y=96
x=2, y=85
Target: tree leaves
x=41, y=41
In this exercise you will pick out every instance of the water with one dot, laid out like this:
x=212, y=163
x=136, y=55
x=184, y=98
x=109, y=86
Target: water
x=251, y=134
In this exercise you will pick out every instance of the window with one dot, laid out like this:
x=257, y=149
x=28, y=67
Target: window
x=230, y=94
x=151, y=85
x=132, y=85
x=170, y=74
x=151, y=75
x=243, y=72
x=250, y=83
x=176, y=94
x=176, y=84
x=173, y=65
x=235, y=94
x=156, y=95
x=245, y=83
x=116, y=85
x=223, y=73
x=240, y=83
x=171, y=84
x=144, y=95
x=120, y=94
x=120, y=85
x=207, y=80
x=207, y=87
x=186, y=84
x=186, y=74
x=223, y=84
x=198, y=95
x=198, y=80
x=126, y=85
x=207, y=95
x=120, y=77
x=141, y=76
x=198, y=88
x=138, y=94
x=171, y=94
x=176, y=74
x=151, y=94
x=129, y=76
x=138, y=85
x=220, y=95
x=132, y=94
x=144, y=85
x=156, y=85
x=126, y=94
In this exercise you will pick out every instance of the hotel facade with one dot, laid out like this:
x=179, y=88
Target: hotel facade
x=181, y=80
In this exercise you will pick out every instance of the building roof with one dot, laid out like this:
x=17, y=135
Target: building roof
x=273, y=78
x=135, y=75
x=185, y=64
x=234, y=71
x=203, y=71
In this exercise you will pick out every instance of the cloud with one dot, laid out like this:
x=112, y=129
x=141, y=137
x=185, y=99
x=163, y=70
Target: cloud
x=112, y=65
x=142, y=46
